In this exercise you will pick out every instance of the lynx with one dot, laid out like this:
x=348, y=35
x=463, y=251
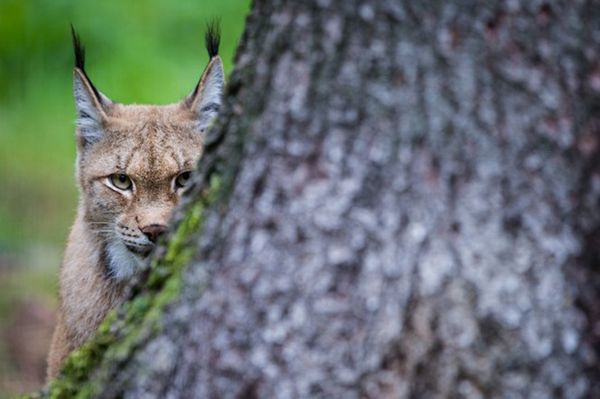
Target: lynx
x=133, y=164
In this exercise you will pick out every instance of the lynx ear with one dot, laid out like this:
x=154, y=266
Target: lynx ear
x=91, y=105
x=205, y=100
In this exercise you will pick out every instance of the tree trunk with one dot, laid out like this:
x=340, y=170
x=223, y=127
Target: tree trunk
x=399, y=200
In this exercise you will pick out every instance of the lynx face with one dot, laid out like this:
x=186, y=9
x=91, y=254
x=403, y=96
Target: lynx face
x=134, y=162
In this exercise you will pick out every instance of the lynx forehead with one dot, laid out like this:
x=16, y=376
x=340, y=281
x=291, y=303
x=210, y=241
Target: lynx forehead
x=133, y=165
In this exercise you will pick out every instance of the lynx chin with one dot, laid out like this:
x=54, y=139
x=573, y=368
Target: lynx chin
x=133, y=164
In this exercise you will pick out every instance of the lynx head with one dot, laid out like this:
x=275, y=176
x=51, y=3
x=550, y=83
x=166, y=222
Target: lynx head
x=134, y=161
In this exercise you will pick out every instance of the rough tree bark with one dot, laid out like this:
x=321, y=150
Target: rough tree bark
x=400, y=200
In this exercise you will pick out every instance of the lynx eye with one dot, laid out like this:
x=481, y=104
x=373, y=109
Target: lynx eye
x=182, y=180
x=121, y=181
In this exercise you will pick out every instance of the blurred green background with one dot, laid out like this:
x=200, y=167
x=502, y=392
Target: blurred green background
x=146, y=51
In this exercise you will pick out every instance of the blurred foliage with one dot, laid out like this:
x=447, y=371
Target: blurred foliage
x=145, y=51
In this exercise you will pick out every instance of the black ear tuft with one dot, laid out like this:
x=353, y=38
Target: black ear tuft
x=79, y=50
x=212, y=37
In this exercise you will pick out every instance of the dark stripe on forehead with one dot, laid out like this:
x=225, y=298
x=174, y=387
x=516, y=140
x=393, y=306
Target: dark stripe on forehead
x=161, y=133
x=152, y=156
x=142, y=127
x=128, y=158
x=176, y=157
x=150, y=143
x=162, y=145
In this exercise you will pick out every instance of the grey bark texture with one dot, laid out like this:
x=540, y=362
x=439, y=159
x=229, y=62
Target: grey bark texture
x=413, y=210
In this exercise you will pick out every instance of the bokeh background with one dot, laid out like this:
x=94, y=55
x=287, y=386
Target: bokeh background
x=145, y=51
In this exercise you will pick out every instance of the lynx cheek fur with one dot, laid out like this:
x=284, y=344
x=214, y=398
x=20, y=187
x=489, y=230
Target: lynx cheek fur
x=133, y=164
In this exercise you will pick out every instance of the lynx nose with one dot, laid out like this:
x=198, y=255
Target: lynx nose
x=154, y=231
